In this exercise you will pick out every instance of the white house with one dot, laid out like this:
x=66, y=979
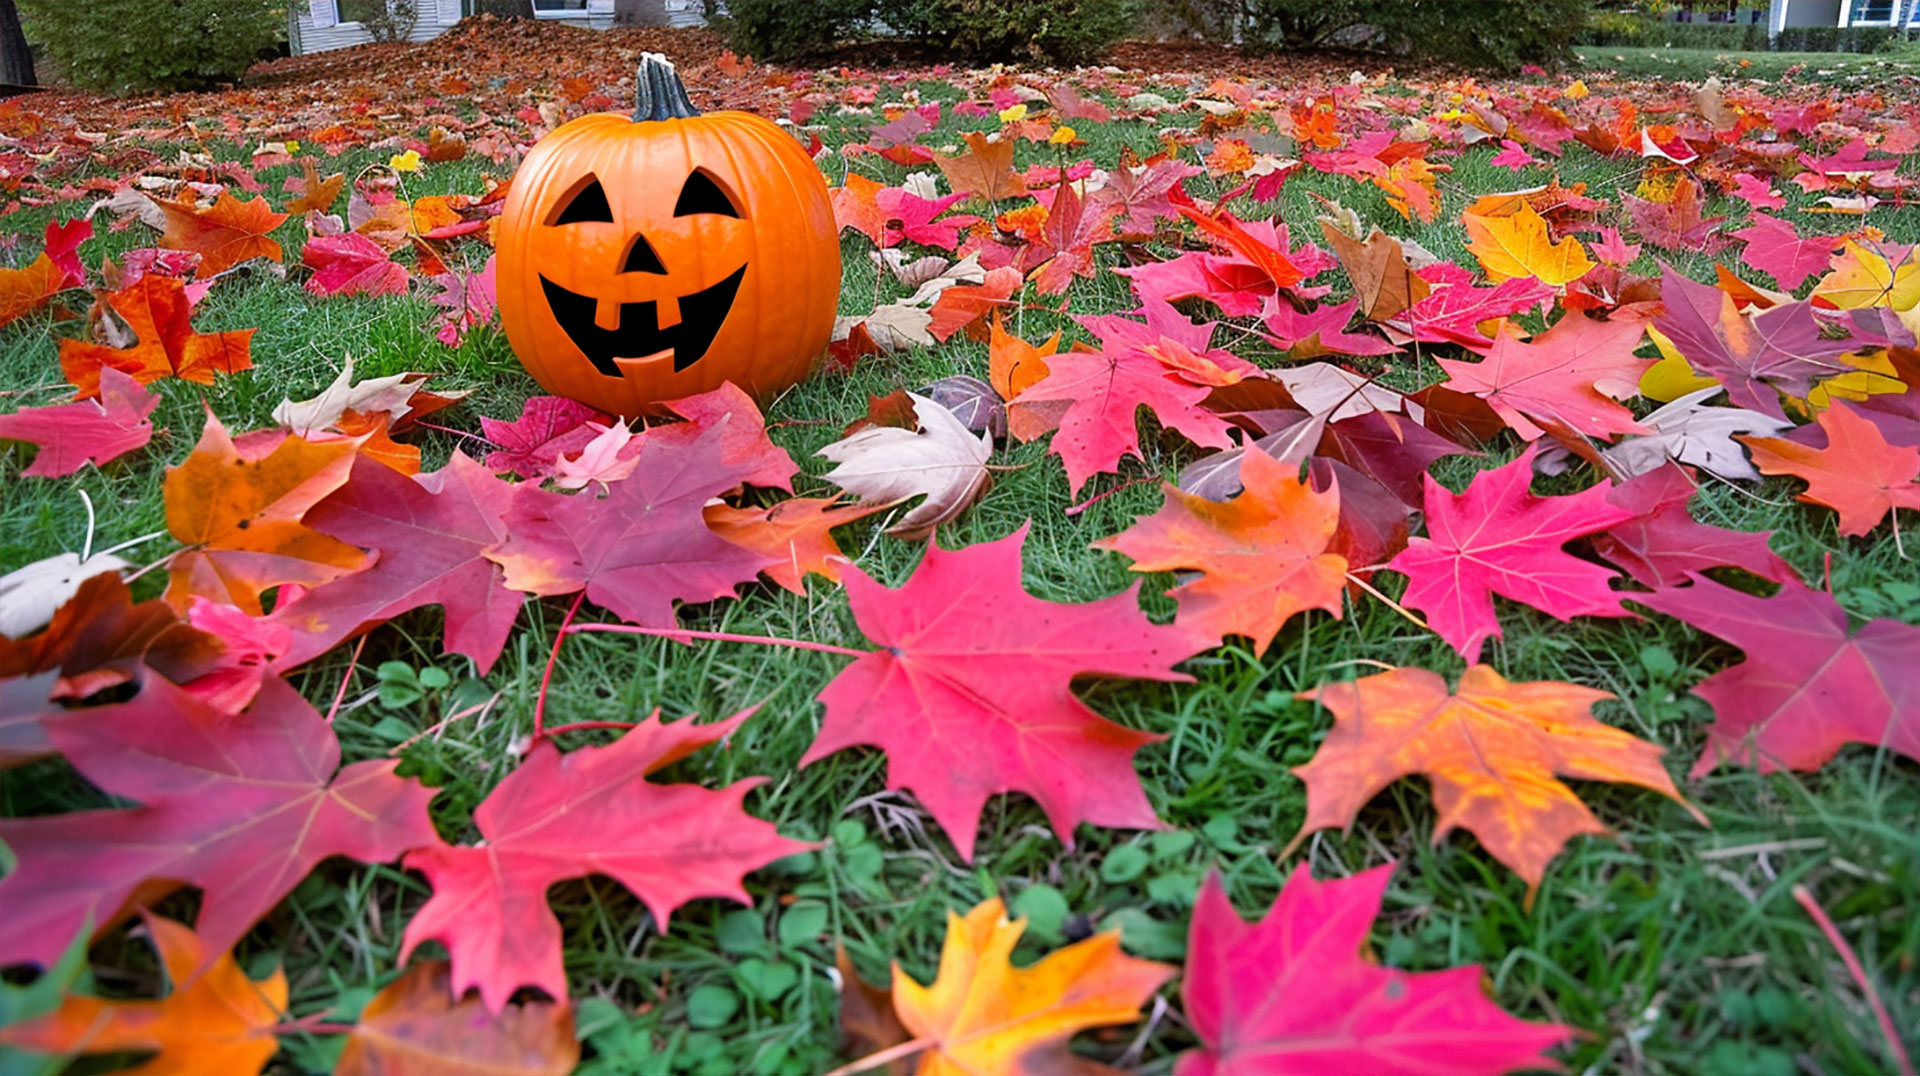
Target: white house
x=319, y=25
x=1894, y=14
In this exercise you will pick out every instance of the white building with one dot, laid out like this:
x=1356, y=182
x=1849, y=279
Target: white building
x=1894, y=14
x=319, y=25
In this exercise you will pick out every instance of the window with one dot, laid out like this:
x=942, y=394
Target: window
x=361, y=10
x=1874, y=11
x=557, y=9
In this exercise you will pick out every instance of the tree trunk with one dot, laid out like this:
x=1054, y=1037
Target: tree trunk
x=640, y=13
x=506, y=9
x=16, y=60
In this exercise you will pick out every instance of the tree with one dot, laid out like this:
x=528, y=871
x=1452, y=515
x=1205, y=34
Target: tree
x=16, y=59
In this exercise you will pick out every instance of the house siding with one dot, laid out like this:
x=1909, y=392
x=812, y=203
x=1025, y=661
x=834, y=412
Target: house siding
x=309, y=36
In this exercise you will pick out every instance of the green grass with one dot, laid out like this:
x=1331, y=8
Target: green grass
x=1899, y=67
x=1674, y=948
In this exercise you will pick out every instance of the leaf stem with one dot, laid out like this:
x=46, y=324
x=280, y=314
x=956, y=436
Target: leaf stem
x=1901, y=1061
x=717, y=636
x=1391, y=604
x=346, y=678
x=546, y=680
x=881, y=1057
x=589, y=726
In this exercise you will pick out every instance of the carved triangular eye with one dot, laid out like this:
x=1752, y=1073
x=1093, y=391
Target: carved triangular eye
x=588, y=204
x=703, y=195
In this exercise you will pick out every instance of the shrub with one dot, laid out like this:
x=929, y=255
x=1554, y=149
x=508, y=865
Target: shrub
x=1066, y=31
x=393, y=20
x=1837, y=39
x=787, y=29
x=1500, y=34
x=134, y=46
x=1622, y=30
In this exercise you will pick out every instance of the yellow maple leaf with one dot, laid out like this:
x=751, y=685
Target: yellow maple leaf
x=984, y=1015
x=1863, y=277
x=1517, y=245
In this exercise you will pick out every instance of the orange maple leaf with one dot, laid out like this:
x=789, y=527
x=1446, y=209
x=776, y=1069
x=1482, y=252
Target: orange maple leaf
x=1377, y=265
x=23, y=291
x=854, y=206
x=797, y=535
x=224, y=234
x=240, y=514
x=1858, y=474
x=1262, y=556
x=1013, y=365
x=316, y=194
x=982, y=1014
x=216, y=1020
x=155, y=307
x=1491, y=750
x=986, y=169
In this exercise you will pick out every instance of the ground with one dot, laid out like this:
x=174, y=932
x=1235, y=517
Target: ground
x=1672, y=947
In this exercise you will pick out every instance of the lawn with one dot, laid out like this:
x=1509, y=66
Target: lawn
x=1878, y=70
x=1670, y=947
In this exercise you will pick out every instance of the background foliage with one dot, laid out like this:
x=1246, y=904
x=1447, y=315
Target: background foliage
x=137, y=46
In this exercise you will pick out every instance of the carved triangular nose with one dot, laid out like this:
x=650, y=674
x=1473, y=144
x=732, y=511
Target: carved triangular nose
x=642, y=259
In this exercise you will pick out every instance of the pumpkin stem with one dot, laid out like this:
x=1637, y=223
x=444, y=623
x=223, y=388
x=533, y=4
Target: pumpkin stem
x=658, y=92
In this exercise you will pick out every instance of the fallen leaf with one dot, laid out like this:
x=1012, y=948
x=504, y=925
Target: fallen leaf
x=549, y=427
x=1263, y=557
x=156, y=309
x=1858, y=474
x=214, y=1020
x=795, y=536
x=1518, y=245
x=1382, y=282
x=1756, y=356
x=32, y=593
x=241, y=519
x=1688, y=431
x=416, y=1025
x=985, y=170
x=317, y=195
x=1811, y=684
x=983, y=1015
x=942, y=461
x=1566, y=379
x=351, y=264
x=427, y=535
x=1498, y=538
x=590, y=811
x=1491, y=750
x=224, y=234
x=241, y=806
x=970, y=694
x=96, y=431
x=1262, y=996
x=1662, y=544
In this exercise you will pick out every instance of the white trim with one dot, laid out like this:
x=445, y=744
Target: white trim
x=1892, y=19
x=562, y=13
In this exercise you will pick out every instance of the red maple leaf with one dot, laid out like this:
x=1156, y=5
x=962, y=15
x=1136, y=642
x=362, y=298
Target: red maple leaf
x=1294, y=993
x=1774, y=247
x=970, y=694
x=548, y=428
x=590, y=811
x=429, y=534
x=1227, y=230
x=642, y=546
x=1810, y=684
x=1567, y=379
x=743, y=439
x=242, y=806
x=1662, y=543
x=1065, y=248
x=1105, y=388
x=156, y=308
x=1453, y=314
x=1751, y=354
x=351, y=264
x=1498, y=538
x=97, y=431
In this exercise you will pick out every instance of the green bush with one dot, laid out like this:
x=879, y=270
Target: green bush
x=788, y=29
x=137, y=46
x=1066, y=31
x=1623, y=30
x=1499, y=34
x=1836, y=39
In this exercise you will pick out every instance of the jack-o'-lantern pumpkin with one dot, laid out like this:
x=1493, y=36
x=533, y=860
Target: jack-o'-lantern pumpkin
x=651, y=257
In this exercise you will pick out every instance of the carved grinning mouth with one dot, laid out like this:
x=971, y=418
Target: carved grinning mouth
x=639, y=333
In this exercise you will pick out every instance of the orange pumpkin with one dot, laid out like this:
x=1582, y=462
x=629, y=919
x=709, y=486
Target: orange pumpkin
x=646, y=258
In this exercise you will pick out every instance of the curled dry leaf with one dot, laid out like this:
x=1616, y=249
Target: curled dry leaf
x=942, y=460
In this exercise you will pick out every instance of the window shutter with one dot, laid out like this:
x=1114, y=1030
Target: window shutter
x=323, y=13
